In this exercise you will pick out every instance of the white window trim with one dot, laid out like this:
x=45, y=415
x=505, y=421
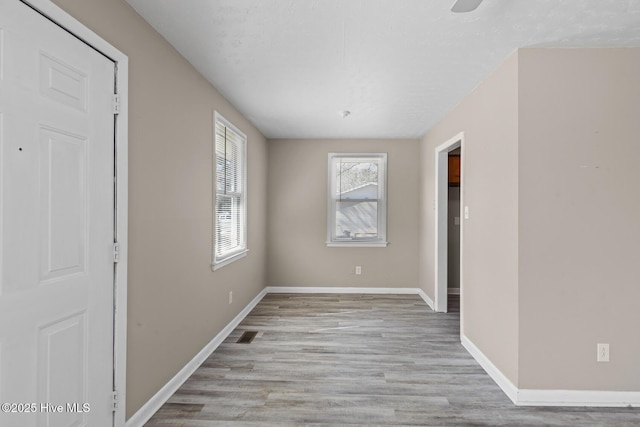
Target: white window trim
x=228, y=260
x=241, y=253
x=379, y=242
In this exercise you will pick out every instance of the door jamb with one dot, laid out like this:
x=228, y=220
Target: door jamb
x=441, y=206
x=66, y=21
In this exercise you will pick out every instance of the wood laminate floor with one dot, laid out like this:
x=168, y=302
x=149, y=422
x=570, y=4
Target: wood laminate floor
x=354, y=360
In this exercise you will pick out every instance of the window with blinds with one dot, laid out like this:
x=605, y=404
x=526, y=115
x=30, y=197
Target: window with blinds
x=357, y=208
x=230, y=205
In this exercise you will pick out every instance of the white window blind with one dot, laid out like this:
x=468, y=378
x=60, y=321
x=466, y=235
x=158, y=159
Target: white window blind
x=357, y=208
x=230, y=216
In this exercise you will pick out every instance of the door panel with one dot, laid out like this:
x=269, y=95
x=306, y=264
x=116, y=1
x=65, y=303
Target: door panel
x=62, y=203
x=56, y=224
x=62, y=367
x=63, y=83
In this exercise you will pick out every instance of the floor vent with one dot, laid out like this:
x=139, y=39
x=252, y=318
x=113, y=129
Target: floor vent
x=247, y=337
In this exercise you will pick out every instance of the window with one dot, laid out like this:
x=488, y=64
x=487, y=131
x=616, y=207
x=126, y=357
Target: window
x=230, y=205
x=357, y=207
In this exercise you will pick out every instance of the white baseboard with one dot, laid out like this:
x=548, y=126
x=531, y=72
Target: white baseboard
x=593, y=398
x=527, y=397
x=453, y=291
x=337, y=290
x=503, y=382
x=348, y=290
x=151, y=407
x=426, y=298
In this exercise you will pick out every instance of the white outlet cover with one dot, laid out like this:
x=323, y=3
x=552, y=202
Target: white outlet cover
x=603, y=353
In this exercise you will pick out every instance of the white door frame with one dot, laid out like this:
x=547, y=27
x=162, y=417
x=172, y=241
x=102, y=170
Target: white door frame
x=442, y=201
x=66, y=21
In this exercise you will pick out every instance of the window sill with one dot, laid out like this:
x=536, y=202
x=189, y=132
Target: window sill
x=218, y=265
x=355, y=244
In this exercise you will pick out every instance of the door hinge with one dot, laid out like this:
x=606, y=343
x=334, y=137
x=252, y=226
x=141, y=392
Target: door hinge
x=116, y=103
x=114, y=401
x=116, y=252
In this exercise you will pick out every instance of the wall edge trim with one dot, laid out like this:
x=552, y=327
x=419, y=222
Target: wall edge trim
x=151, y=407
x=349, y=290
x=531, y=397
x=590, y=398
x=338, y=290
x=492, y=370
x=426, y=299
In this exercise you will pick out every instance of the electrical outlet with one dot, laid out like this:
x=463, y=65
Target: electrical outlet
x=603, y=353
x=230, y=297
x=466, y=212
x=358, y=270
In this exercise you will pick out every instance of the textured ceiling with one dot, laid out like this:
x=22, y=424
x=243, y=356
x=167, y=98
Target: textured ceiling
x=292, y=66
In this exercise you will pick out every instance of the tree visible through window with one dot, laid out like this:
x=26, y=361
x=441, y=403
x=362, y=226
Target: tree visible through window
x=357, y=204
x=230, y=222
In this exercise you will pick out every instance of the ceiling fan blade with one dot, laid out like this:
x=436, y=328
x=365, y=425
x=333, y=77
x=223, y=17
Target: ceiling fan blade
x=462, y=6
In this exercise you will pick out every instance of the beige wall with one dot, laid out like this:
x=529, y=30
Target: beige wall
x=176, y=303
x=579, y=223
x=489, y=119
x=550, y=255
x=297, y=253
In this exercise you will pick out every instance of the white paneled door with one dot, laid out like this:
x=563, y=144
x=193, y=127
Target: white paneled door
x=56, y=224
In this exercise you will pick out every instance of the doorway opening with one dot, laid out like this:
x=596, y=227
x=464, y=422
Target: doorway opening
x=453, y=231
x=449, y=202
